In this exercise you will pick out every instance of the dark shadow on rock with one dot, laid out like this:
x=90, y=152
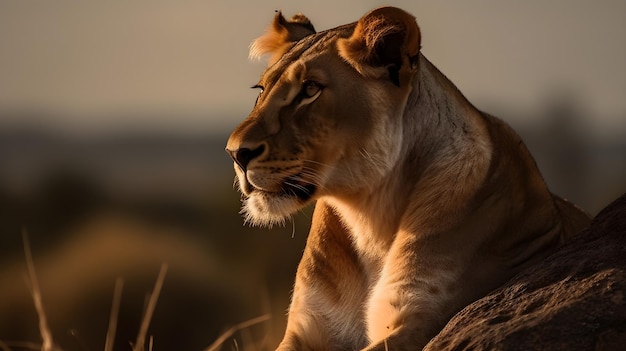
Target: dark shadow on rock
x=573, y=300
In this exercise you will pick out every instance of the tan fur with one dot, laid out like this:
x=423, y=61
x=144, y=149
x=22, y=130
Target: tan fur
x=379, y=25
x=424, y=203
x=279, y=35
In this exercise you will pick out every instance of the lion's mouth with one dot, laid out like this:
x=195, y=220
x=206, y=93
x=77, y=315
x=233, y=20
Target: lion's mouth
x=290, y=187
x=302, y=190
x=270, y=201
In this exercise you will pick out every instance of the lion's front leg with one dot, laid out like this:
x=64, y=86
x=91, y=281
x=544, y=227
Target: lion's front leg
x=417, y=292
x=403, y=319
x=326, y=311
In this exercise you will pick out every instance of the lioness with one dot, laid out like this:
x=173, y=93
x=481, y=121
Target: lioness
x=424, y=203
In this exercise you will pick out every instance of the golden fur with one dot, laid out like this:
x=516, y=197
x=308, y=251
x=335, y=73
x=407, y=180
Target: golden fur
x=424, y=203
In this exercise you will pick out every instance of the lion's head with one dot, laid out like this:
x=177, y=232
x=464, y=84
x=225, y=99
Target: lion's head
x=328, y=119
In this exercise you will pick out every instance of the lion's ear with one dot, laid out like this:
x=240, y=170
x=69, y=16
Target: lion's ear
x=280, y=35
x=385, y=37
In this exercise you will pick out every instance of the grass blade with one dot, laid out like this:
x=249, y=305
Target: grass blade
x=115, y=309
x=243, y=325
x=44, y=329
x=154, y=297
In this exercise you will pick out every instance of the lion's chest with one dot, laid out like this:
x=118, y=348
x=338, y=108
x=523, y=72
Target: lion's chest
x=371, y=238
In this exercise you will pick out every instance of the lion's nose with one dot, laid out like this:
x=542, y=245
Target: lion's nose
x=243, y=156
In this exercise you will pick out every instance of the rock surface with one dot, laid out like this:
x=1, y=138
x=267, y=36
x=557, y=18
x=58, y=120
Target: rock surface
x=574, y=300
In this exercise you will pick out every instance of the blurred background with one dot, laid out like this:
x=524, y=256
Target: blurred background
x=114, y=116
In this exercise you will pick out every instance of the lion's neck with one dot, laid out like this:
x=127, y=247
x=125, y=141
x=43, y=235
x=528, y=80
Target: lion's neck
x=453, y=150
x=444, y=157
x=372, y=220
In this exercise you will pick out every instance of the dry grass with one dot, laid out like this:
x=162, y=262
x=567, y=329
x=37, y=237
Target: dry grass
x=115, y=310
x=48, y=343
x=231, y=331
x=44, y=329
x=145, y=324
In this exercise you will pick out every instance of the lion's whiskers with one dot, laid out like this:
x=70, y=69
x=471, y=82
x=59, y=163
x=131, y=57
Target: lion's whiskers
x=299, y=187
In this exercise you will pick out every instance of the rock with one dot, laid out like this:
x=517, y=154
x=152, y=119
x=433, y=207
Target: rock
x=573, y=300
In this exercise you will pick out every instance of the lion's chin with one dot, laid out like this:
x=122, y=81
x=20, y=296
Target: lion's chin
x=266, y=210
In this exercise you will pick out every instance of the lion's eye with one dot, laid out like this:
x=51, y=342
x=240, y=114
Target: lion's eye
x=260, y=87
x=258, y=96
x=310, y=89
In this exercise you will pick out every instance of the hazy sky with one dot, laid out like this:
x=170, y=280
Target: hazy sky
x=92, y=59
